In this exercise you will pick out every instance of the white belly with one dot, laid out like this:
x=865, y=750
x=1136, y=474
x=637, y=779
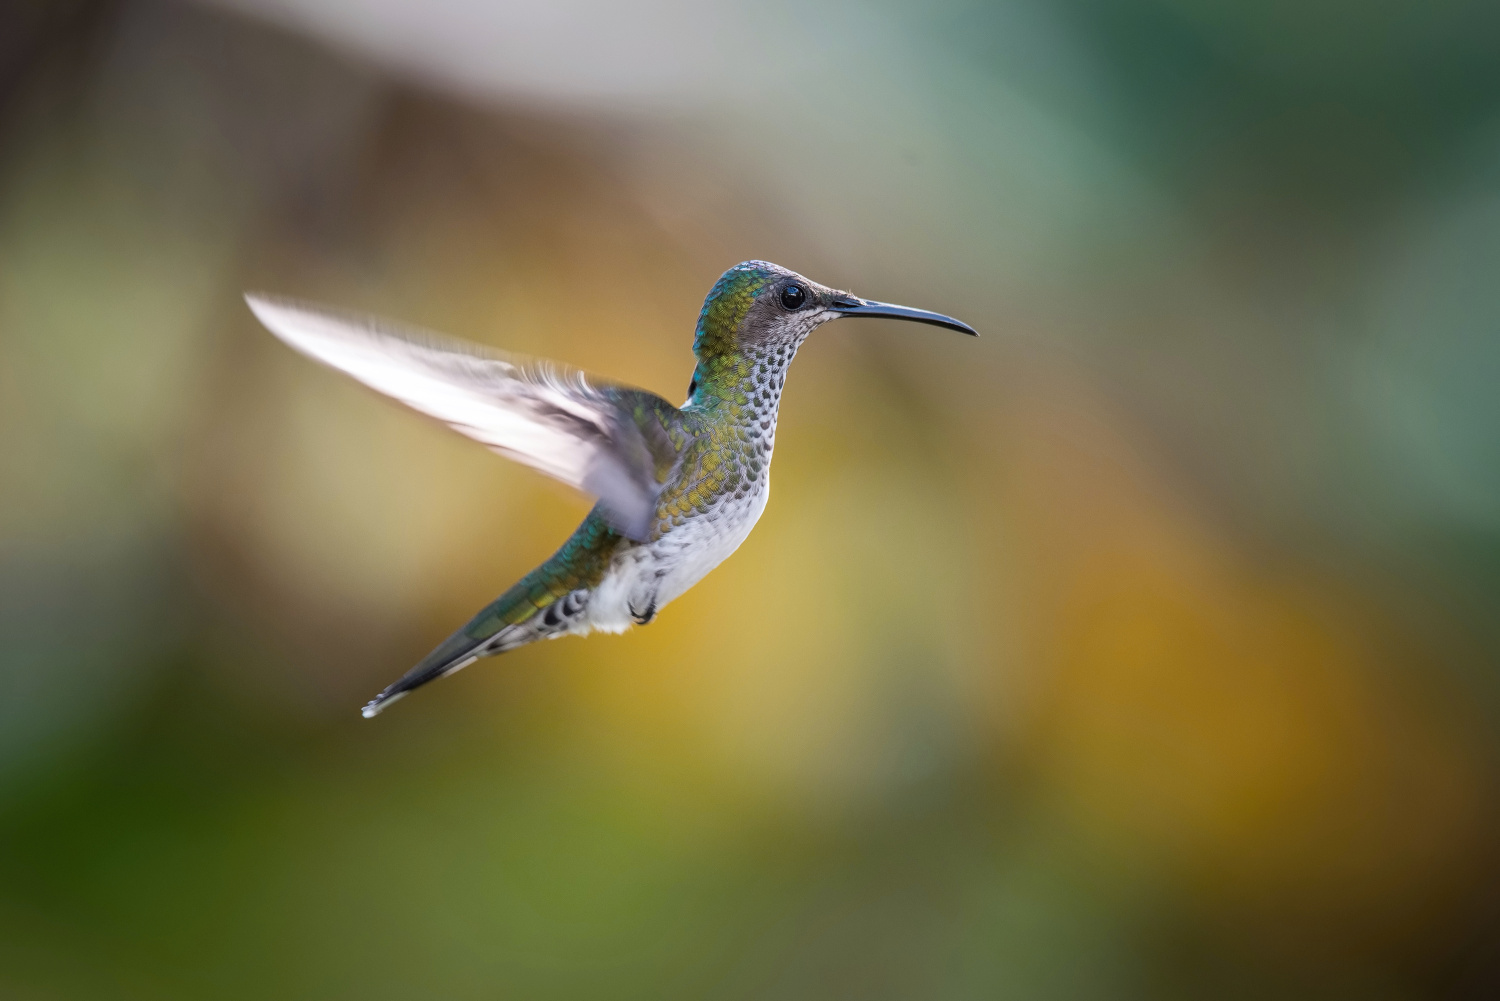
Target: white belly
x=664, y=569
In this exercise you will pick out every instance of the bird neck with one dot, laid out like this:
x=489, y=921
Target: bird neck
x=743, y=385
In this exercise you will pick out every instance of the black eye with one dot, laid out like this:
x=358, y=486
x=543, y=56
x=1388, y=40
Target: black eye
x=792, y=297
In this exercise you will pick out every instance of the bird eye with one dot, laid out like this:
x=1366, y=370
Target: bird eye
x=792, y=297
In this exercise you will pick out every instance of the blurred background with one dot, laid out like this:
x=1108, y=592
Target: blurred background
x=1145, y=648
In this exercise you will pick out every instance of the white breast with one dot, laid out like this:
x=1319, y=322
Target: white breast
x=657, y=572
x=669, y=566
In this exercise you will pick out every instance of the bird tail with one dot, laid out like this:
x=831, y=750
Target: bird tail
x=506, y=623
x=453, y=654
x=549, y=601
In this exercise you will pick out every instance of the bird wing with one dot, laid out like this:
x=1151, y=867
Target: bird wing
x=611, y=441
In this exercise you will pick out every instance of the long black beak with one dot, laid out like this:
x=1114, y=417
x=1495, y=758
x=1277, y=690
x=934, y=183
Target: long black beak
x=853, y=305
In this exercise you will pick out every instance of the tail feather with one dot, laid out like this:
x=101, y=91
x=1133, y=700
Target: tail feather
x=518, y=617
x=549, y=601
x=503, y=625
x=453, y=654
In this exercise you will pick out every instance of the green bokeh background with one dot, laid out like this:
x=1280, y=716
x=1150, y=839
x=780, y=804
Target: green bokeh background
x=1145, y=648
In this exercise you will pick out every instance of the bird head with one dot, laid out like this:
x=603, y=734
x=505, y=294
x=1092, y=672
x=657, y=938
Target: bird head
x=759, y=304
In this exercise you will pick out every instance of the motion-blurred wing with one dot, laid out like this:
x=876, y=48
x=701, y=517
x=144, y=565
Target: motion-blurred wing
x=610, y=441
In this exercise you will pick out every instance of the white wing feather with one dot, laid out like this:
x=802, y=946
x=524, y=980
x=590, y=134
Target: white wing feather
x=553, y=420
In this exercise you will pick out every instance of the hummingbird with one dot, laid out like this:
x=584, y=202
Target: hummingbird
x=678, y=488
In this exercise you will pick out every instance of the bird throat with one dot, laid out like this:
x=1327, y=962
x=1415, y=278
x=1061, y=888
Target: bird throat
x=743, y=387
